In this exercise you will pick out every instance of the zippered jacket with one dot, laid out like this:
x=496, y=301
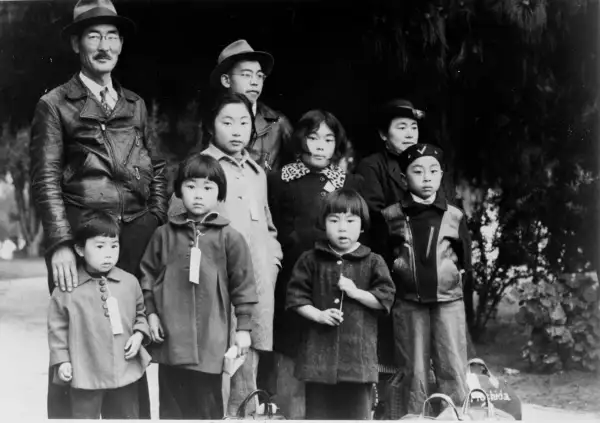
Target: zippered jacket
x=83, y=157
x=431, y=250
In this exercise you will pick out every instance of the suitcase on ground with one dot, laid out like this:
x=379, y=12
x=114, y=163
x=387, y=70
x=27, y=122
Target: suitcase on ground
x=500, y=393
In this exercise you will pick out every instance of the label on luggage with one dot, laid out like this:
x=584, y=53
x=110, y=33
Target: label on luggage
x=195, y=257
x=114, y=315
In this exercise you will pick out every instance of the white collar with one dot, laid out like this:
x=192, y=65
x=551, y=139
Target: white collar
x=254, y=108
x=429, y=200
x=95, y=88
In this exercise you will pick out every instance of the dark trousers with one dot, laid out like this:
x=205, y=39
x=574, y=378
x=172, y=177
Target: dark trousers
x=189, y=394
x=120, y=403
x=134, y=238
x=343, y=401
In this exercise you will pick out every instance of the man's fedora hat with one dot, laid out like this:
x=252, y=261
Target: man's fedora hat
x=236, y=51
x=94, y=12
x=401, y=108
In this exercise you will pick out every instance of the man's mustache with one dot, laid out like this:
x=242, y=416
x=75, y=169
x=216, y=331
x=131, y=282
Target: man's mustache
x=102, y=56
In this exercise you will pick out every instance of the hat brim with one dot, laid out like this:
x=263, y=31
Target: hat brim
x=125, y=25
x=393, y=112
x=265, y=59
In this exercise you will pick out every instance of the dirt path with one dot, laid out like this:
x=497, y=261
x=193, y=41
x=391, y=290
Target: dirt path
x=24, y=358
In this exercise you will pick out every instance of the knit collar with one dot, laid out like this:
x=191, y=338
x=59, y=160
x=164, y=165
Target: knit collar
x=298, y=169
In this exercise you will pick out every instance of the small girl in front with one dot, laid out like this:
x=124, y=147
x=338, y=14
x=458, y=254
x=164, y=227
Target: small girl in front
x=95, y=333
x=295, y=193
x=340, y=287
x=195, y=269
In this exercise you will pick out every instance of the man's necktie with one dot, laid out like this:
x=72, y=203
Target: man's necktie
x=105, y=106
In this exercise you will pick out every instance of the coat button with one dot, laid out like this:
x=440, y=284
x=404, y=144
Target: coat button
x=339, y=262
x=336, y=301
x=322, y=179
x=104, y=297
x=102, y=289
x=106, y=313
x=105, y=306
x=240, y=197
x=102, y=282
x=191, y=243
x=322, y=194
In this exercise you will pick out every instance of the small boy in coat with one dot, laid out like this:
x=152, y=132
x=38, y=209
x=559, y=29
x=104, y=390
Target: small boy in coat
x=340, y=287
x=95, y=333
x=431, y=252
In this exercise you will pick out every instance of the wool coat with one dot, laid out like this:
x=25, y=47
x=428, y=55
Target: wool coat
x=80, y=332
x=196, y=317
x=348, y=352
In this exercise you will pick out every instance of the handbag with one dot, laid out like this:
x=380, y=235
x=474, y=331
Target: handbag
x=499, y=392
x=270, y=412
x=484, y=411
x=450, y=413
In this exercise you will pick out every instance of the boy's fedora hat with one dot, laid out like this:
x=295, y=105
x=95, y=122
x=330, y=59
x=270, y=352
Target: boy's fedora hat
x=236, y=51
x=402, y=108
x=94, y=12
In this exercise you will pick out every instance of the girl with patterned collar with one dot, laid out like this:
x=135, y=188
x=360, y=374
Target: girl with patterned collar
x=295, y=193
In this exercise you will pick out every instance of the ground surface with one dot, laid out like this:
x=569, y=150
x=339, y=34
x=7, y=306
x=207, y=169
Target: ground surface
x=24, y=358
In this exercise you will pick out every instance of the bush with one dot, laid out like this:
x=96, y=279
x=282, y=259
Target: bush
x=564, y=318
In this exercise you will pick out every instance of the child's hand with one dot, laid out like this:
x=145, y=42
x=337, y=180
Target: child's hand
x=347, y=285
x=132, y=347
x=331, y=317
x=156, y=330
x=242, y=341
x=65, y=371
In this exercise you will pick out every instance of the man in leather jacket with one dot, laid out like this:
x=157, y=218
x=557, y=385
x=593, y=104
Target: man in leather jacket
x=91, y=149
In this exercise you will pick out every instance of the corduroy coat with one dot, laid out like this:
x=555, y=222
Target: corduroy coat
x=348, y=352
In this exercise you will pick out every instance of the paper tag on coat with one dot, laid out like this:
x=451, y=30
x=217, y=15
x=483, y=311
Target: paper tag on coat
x=114, y=315
x=195, y=257
x=329, y=187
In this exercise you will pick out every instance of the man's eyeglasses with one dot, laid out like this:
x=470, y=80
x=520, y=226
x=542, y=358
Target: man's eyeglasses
x=94, y=39
x=249, y=75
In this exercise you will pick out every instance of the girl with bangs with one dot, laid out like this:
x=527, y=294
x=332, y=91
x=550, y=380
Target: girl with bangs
x=339, y=288
x=295, y=192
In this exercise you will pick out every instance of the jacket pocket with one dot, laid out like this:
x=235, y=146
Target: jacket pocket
x=449, y=280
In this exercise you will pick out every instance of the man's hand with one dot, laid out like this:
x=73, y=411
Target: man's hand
x=156, y=330
x=330, y=317
x=133, y=345
x=242, y=341
x=64, y=268
x=65, y=372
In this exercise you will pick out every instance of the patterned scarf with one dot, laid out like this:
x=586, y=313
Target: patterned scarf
x=298, y=169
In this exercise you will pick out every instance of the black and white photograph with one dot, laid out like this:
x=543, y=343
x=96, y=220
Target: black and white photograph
x=299, y=210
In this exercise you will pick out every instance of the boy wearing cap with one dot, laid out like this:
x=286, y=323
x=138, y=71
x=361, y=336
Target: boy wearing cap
x=431, y=253
x=240, y=69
